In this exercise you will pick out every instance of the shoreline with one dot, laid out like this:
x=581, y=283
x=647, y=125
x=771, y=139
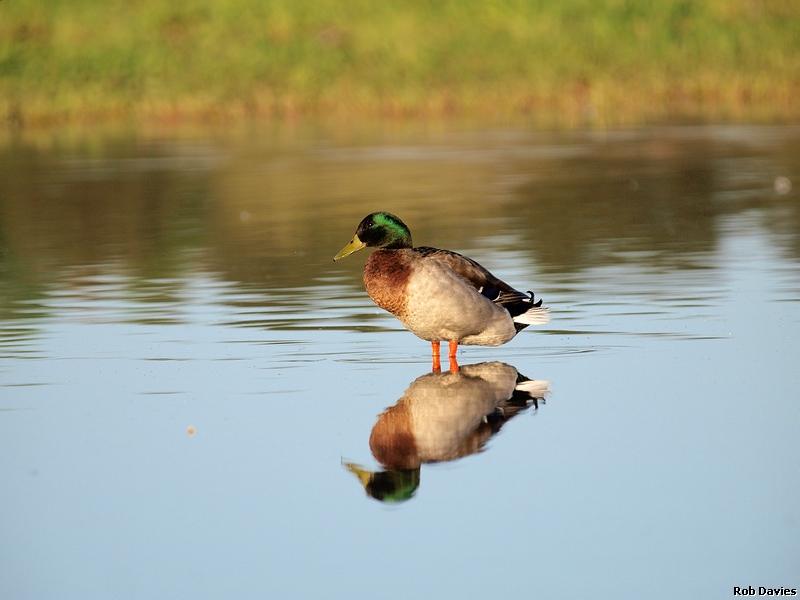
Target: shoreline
x=603, y=109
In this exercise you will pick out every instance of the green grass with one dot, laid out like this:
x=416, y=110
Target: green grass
x=606, y=61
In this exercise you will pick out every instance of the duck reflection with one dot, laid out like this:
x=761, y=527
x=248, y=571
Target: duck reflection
x=443, y=417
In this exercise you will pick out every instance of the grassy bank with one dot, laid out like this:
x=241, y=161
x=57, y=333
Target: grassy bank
x=601, y=61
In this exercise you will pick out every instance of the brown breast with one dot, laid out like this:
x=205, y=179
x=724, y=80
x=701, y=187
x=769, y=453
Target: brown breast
x=392, y=439
x=386, y=275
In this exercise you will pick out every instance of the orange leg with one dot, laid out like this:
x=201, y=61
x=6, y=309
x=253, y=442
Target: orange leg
x=452, y=356
x=437, y=366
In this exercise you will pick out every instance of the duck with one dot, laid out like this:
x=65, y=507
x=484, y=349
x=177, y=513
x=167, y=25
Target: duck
x=439, y=295
x=443, y=417
x=447, y=416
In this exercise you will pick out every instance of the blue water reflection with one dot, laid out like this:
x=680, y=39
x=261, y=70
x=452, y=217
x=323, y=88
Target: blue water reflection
x=443, y=417
x=183, y=370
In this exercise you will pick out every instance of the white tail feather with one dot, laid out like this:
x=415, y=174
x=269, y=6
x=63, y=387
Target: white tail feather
x=537, y=315
x=536, y=388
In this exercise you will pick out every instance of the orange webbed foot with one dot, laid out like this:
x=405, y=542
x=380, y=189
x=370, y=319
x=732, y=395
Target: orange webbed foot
x=452, y=356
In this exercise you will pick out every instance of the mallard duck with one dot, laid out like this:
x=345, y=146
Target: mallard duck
x=443, y=417
x=446, y=416
x=439, y=295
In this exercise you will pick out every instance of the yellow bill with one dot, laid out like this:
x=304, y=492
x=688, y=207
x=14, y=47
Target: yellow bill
x=359, y=472
x=354, y=246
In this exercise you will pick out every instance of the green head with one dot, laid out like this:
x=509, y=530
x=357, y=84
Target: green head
x=380, y=229
x=387, y=486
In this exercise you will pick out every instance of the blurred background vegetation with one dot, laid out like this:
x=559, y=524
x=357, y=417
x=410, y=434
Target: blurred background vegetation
x=562, y=62
x=269, y=214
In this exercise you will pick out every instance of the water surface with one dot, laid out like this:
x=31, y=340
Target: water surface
x=189, y=384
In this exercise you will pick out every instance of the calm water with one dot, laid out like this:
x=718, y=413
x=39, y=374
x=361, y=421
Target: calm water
x=188, y=383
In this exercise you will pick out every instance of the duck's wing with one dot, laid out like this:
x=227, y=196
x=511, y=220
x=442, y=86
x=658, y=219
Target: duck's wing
x=481, y=279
